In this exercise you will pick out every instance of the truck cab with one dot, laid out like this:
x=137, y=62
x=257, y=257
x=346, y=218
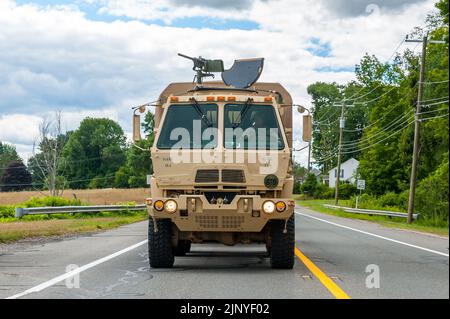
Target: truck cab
x=222, y=160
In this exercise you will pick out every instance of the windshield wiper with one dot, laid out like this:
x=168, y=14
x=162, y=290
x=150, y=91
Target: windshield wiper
x=200, y=112
x=243, y=112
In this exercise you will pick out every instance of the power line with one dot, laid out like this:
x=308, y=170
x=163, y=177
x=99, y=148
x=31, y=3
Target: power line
x=436, y=99
x=69, y=162
x=377, y=98
x=432, y=104
x=372, y=124
x=325, y=159
x=397, y=122
x=435, y=82
x=322, y=122
x=380, y=141
x=349, y=151
x=351, y=98
x=434, y=117
x=301, y=149
x=326, y=113
x=433, y=111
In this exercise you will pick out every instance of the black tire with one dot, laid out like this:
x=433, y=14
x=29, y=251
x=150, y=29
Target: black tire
x=283, y=245
x=160, y=251
x=184, y=247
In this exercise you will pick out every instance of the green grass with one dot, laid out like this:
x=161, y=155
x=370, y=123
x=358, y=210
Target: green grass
x=317, y=205
x=16, y=230
x=12, y=229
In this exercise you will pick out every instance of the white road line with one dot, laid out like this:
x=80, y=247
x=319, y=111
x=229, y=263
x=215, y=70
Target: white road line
x=70, y=274
x=374, y=235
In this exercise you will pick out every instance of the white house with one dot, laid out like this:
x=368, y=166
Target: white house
x=348, y=173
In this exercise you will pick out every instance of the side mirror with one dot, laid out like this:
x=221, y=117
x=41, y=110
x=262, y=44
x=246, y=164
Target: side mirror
x=137, y=124
x=307, y=128
x=136, y=128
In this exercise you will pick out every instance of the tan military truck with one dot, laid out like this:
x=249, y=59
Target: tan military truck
x=222, y=166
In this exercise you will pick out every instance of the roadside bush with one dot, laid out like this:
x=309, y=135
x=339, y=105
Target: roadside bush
x=7, y=211
x=297, y=188
x=346, y=191
x=392, y=199
x=432, y=197
x=310, y=185
x=388, y=202
x=50, y=201
x=324, y=192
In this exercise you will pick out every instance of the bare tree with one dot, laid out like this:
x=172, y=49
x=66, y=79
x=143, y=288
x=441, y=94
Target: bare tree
x=50, y=143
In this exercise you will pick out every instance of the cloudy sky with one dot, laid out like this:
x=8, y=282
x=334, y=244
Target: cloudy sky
x=100, y=57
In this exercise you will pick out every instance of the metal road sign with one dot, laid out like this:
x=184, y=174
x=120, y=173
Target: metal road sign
x=361, y=184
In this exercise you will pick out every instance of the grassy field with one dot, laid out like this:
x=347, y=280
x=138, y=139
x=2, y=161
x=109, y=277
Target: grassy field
x=400, y=223
x=44, y=228
x=12, y=229
x=109, y=196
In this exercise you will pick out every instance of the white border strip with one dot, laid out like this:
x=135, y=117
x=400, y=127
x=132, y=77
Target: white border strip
x=374, y=235
x=72, y=273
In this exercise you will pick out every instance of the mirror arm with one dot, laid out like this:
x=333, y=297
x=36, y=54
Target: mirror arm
x=140, y=148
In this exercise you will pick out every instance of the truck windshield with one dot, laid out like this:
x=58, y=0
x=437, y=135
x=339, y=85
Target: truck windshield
x=257, y=128
x=184, y=127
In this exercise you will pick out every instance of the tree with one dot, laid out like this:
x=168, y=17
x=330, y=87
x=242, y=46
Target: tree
x=15, y=178
x=8, y=154
x=94, y=153
x=138, y=161
x=300, y=174
x=47, y=164
x=327, y=101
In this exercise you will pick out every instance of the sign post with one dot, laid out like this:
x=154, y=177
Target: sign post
x=361, y=185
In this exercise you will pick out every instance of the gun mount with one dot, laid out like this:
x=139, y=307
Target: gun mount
x=204, y=68
x=243, y=74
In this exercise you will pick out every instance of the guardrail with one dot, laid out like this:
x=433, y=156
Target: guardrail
x=75, y=209
x=372, y=212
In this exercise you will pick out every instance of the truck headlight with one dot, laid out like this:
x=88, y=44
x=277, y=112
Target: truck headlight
x=269, y=207
x=171, y=206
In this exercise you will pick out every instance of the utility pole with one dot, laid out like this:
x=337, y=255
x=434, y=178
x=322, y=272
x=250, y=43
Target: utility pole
x=309, y=156
x=341, y=135
x=416, y=150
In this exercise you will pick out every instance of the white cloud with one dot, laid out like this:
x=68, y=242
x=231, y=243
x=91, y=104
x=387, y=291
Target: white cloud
x=19, y=128
x=55, y=58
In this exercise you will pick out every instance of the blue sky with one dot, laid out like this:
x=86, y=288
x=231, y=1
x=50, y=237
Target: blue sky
x=92, y=12
x=100, y=57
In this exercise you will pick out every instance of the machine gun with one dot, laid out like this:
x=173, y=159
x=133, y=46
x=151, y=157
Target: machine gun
x=204, y=67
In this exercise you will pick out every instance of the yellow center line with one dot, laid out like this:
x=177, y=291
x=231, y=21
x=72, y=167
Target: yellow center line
x=324, y=279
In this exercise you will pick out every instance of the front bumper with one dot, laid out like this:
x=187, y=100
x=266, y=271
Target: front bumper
x=244, y=214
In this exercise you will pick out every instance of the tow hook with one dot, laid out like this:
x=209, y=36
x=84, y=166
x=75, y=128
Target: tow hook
x=285, y=227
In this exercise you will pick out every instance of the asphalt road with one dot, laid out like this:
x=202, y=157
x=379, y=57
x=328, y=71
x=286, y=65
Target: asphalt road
x=336, y=257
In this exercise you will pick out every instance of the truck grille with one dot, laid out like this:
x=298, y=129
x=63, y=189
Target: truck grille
x=212, y=222
x=207, y=176
x=233, y=176
x=207, y=221
x=232, y=221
